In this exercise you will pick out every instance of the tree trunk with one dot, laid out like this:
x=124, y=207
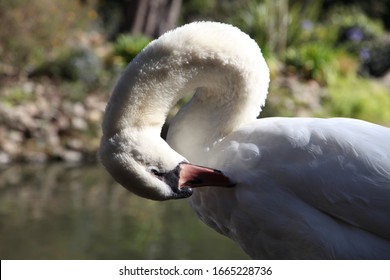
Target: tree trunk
x=150, y=17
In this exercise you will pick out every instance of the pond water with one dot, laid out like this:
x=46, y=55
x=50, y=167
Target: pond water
x=78, y=212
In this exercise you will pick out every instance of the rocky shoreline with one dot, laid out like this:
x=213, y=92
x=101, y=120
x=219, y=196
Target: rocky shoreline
x=40, y=124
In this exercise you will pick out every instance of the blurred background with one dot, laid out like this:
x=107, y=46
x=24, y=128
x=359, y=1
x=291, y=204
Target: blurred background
x=58, y=63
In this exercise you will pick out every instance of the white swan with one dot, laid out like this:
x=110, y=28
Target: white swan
x=296, y=188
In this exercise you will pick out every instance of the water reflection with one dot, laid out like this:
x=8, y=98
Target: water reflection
x=74, y=212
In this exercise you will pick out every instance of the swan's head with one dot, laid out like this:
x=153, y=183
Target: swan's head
x=148, y=167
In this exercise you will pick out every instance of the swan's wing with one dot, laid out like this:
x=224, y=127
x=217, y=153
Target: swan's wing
x=339, y=166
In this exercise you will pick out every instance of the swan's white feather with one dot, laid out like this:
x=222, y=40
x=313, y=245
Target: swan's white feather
x=305, y=188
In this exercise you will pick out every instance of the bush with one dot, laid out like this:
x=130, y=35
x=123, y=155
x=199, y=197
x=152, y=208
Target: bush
x=276, y=25
x=126, y=47
x=78, y=64
x=359, y=98
x=31, y=30
x=312, y=61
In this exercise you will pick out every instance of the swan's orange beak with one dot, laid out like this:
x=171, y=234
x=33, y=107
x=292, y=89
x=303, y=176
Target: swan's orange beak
x=193, y=176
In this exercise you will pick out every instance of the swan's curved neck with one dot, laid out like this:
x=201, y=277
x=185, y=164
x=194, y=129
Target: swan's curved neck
x=224, y=69
x=229, y=79
x=230, y=87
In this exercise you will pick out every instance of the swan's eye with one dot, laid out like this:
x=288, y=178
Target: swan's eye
x=155, y=171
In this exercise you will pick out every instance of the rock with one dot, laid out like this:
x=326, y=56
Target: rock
x=4, y=158
x=72, y=156
x=79, y=123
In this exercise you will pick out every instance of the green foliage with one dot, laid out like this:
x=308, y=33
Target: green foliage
x=265, y=22
x=214, y=10
x=126, y=47
x=359, y=98
x=275, y=25
x=16, y=95
x=199, y=6
x=74, y=64
x=346, y=16
x=312, y=61
x=358, y=34
x=31, y=30
x=308, y=39
x=302, y=21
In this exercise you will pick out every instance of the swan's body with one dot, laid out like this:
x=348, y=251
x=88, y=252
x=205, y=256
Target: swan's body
x=303, y=187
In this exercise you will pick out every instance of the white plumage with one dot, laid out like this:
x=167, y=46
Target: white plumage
x=304, y=188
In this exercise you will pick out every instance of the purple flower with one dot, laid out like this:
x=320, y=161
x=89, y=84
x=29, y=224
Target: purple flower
x=307, y=25
x=364, y=54
x=355, y=34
